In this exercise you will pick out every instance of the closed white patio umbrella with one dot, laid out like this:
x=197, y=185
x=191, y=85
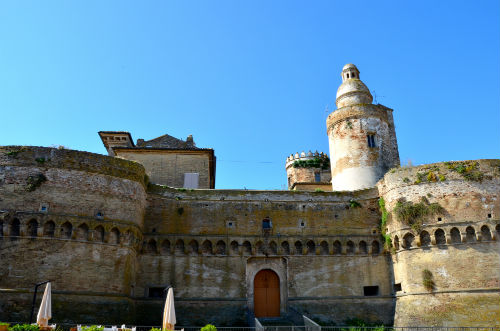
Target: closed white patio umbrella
x=45, y=311
x=169, y=312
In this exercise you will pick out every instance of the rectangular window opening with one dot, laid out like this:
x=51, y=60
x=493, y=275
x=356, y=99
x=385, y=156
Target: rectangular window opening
x=156, y=292
x=397, y=287
x=317, y=177
x=191, y=180
x=370, y=291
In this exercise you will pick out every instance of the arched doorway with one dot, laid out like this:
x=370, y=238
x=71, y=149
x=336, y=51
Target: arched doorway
x=266, y=294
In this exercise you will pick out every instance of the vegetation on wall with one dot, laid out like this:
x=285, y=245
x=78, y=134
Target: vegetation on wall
x=432, y=175
x=383, y=224
x=468, y=169
x=14, y=152
x=24, y=327
x=354, y=204
x=209, y=327
x=34, y=181
x=92, y=328
x=317, y=162
x=414, y=214
x=427, y=280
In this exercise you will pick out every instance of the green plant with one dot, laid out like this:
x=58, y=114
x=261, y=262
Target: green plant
x=40, y=160
x=209, y=327
x=318, y=190
x=348, y=124
x=14, y=152
x=155, y=329
x=354, y=204
x=413, y=214
x=92, y=328
x=23, y=327
x=318, y=162
x=383, y=223
x=34, y=181
x=442, y=178
x=468, y=170
x=181, y=189
x=431, y=177
x=3, y=323
x=427, y=280
x=406, y=180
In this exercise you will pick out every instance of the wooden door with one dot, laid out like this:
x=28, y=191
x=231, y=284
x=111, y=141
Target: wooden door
x=266, y=294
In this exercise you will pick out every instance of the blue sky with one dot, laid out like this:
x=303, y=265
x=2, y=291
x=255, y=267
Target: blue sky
x=254, y=80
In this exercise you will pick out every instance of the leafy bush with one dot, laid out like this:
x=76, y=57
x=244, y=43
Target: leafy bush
x=34, y=181
x=354, y=204
x=318, y=190
x=155, y=329
x=24, y=327
x=317, y=162
x=469, y=170
x=414, y=214
x=92, y=328
x=427, y=280
x=209, y=327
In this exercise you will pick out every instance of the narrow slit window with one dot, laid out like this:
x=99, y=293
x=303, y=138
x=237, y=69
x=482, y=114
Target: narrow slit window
x=371, y=140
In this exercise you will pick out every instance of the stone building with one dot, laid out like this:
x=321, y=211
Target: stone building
x=396, y=245
x=167, y=160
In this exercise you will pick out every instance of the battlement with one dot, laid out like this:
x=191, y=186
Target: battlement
x=304, y=157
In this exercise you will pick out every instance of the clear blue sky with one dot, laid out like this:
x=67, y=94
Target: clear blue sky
x=250, y=79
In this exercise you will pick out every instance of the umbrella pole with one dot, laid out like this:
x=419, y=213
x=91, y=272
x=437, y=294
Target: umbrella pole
x=34, y=299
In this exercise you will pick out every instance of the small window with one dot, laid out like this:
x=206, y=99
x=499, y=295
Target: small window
x=267, y=224
x=370, y=291
x=156, y=292
x=191, y=180
x=44, y=207
x=230, y=224
x=397, y=287
x=371, y=140
x=317, y=177
x=302, y=224
x=347, y=75
x=439, y=219
x=489, y=215
x=99, y=215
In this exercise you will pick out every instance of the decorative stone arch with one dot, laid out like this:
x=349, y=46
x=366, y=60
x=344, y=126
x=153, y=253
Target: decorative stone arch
x=276, y=264
x=49, y=229
x=324, y=250
x=285, y=248
x=99, y=233
x=363, y=249
x=234, y=248
x=82, y=232
x=455, y=236
x=32, y=228
x=273, y=248
x=485, y=233
x=193, y=247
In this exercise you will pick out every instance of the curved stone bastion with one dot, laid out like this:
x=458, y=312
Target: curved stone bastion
x=443, y=220
x=74, y=218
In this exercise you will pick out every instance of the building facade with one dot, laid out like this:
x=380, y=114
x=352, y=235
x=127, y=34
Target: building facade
x=403, y=246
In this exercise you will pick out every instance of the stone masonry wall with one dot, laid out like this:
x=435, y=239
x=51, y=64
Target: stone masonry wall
x=167, y=168
x=78, y=227
x=459, y=246
x=354, y=164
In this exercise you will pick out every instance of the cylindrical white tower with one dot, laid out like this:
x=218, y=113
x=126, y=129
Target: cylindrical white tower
x=361, y=136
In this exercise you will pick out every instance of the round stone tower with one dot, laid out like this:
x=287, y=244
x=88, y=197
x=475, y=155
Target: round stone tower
x=361, y=136
x=307, y=170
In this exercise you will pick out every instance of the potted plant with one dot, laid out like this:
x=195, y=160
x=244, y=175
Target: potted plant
x=4, y=326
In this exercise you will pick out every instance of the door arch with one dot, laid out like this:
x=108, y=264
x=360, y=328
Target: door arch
x=266, y=294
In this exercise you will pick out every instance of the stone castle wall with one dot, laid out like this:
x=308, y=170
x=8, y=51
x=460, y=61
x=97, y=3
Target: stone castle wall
x=459, y=245
x=212, y=243
x=78, y=227
x=105, y=241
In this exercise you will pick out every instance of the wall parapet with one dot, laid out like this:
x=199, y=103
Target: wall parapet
x=48, y=157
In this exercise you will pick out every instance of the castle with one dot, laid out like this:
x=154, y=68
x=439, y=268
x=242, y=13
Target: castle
x=356, y=236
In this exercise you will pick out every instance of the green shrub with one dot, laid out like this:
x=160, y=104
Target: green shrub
x=427, y=280
x=34, y=181
x=3, y=323
x=317, y=162
x=24, y=327
x=155, y=329
x=354, y=204
x=414, y=214
x=92, y=328
x=318, y=190
x=469, y=170
x=209, y=327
